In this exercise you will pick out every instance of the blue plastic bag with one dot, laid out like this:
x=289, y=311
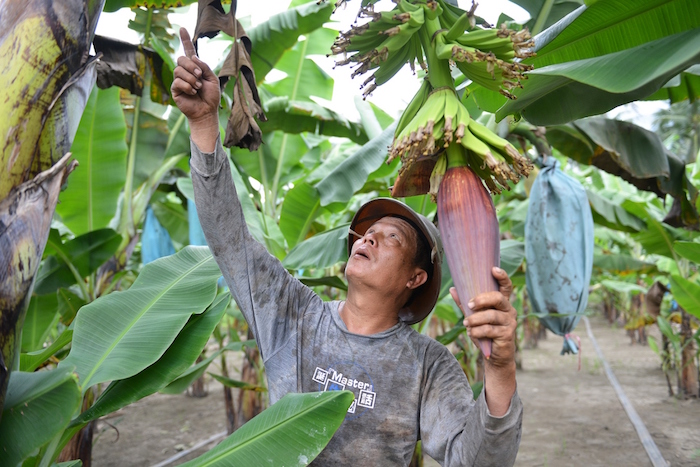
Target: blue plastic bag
x=196, y=233
x=155, y=240
x=559, y=251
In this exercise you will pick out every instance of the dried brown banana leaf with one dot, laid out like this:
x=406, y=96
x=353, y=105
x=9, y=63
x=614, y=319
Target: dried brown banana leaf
x=242, y=129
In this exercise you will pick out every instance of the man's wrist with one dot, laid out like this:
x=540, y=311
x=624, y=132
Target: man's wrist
x=500, y=371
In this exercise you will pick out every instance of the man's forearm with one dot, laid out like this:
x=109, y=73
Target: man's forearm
x=499, y=387
x=204, y=132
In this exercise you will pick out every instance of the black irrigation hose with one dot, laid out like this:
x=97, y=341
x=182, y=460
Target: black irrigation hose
x=200, y=444
x=657, y=460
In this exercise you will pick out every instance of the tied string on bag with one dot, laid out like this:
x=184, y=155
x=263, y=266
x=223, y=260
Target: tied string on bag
x=571, y=337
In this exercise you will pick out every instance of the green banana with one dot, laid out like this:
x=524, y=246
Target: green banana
x=391, y=66
x=418, y=137
x=413, y=106
x=432, y=10
x=452, y=117
x=458, y=28
x=511, y=155
x=408, y=7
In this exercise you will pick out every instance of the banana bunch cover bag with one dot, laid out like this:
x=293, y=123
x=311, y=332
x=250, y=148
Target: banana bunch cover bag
x=558, y=250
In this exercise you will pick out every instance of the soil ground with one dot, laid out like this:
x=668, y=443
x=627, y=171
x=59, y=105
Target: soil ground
x=572, y=418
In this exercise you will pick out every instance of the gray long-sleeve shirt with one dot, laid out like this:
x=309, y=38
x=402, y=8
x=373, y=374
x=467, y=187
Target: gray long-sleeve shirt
x=407, y=386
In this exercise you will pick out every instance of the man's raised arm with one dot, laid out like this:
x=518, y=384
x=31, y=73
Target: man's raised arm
x=262, y=288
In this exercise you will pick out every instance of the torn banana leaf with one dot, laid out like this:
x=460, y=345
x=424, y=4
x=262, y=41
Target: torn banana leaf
x=242, y=129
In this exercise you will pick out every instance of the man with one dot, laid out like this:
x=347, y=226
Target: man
x=407, y=386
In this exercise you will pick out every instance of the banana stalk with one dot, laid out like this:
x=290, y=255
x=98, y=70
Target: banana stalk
x=469, y=231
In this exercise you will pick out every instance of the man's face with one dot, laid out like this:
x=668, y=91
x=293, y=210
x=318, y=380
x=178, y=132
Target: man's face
x=383, y=257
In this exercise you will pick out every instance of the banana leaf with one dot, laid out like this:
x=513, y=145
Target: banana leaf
x=38, y=406
x=232, y=383
x=633, y=153
x=155, y=23
x=281, y=156
x=185, y=380
x=81, y=255
x=320, y=251
x=120, y=334
x=151, y=140
x=42, y=316
x=68, y=305
x=604, y=55
x=622, y=287
x=613, y=216
x=544, y=13
x=306, y=116
x=351, y=175
x=293, y=431
x=33, y=360
x=304, y=77
x=622, y=265
x=180, y=355
x=512, y=255
x=687, y=294
x=659, y=239
x=172, y=215
x=242, y=130
x=688, y=250
x=681, y=87
x=328, y=281
x=370, y=124
x=281, y=32
x=302, y=204
x=90, y=200
x=568, y=91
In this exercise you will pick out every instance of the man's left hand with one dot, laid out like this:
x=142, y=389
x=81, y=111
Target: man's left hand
x=493, y=318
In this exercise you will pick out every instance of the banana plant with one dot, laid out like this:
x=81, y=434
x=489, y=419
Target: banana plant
x=170, y=339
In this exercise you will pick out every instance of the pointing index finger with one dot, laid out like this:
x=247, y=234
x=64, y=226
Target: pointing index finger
x=187, y=43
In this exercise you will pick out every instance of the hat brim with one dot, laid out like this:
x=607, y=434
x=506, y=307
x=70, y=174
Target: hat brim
x=424, y=298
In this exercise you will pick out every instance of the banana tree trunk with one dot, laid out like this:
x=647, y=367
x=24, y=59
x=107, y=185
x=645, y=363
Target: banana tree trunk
x=249, y=402
x=689, y=372
x=46, y=75
x=25, y=220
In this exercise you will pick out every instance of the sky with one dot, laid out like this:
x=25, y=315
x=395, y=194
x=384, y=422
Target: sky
x=392, y=97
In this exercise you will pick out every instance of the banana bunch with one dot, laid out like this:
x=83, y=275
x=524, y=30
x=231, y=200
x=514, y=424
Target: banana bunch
x=486, y=56
x=386, y=43
x=436, y=124
x=435, y=119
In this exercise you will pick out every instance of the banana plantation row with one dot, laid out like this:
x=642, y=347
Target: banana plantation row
x=109, y=293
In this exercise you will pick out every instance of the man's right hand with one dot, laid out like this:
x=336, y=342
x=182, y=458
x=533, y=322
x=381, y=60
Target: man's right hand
x=196, y=93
